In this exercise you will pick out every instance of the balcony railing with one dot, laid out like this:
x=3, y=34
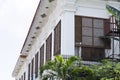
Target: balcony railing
x=114, y=30
x=113, y=0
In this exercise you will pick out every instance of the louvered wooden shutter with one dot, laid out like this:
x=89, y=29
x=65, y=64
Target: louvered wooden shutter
x=49, y=48
x=36, y=65
x=106, y=26
x=24, y=75
x=32, y=69
x=107, y=42
x=57, y=39
x=92, y=53
x=29, y=71
x=42, y=55
x=78, y=29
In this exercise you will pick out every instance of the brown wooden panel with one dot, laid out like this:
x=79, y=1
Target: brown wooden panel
x=42, y=55
x=78, y=29
x=106, y=26
x=32, y=68
x=107, y=42
x=36, y=65
x=29, y=71
x=57, y=39
x=92, y=53
x=24, y=75
x=49, y=48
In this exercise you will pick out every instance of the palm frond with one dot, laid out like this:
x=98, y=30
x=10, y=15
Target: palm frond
x=110, y=37
x=115, y=12
x=72, y=60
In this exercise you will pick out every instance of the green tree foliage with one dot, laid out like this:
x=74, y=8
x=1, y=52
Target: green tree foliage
x=116, y=13
x=107, y=70
x=58, y=68
x=73, y=69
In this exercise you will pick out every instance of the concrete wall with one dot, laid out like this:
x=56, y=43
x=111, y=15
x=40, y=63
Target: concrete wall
x=65, y=11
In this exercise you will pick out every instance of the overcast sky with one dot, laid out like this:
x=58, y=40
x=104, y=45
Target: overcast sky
x=15, y=20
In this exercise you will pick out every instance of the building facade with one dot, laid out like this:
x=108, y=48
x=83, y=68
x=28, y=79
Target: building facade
x=67, y=28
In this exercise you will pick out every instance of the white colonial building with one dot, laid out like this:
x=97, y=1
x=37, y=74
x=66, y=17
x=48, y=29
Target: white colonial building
x=66, y=27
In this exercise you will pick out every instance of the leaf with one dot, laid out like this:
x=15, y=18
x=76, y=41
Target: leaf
x=115, y=12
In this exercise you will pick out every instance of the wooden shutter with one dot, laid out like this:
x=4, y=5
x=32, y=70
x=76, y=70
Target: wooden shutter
x=42, y=55
x=32, y=69
x=92, y=53
x=36, y=65
x=107, y=42
x=92, y=45
x=29, y=71
x=49, y=48
x=24, y=75
x=106, y=26
x=57, y=39
x=78, y=29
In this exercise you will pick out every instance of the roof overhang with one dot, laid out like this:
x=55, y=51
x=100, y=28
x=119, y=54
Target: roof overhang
x=44, y=9
x=18, y=65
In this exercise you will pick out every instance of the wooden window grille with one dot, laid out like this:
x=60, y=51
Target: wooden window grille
x=32, y=69
x=88, y=31
x=57, y=39
x=42, y=55
x=24, y=75
x=36, y=65
x=49, y=48
x=29, y=71
x=78, y=29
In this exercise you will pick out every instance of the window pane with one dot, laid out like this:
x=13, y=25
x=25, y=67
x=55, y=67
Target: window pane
x=86, y=31
x=87, y=40
x=97, y=23
x=98, y=32
x=87, y=22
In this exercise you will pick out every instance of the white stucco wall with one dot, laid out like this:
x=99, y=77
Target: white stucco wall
x=66, y=14
x=67, y=33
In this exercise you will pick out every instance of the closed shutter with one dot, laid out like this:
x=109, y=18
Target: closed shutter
x=36, y=65
x=106, y=26
x=42, y=55
x=78, y=29
x=92, y=44
x=49, y=48
x=24, y=75
x=57, y=39
x=29, y=71
x=32, y=69
x=107, y=42
x=92, y=53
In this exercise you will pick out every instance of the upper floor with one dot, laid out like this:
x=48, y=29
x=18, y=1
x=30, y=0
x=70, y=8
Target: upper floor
x=66, y=27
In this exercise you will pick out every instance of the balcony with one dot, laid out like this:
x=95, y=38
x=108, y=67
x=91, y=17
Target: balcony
x=113, y=0
x=112, y=28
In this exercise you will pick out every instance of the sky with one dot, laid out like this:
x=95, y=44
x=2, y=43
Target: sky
x=15, y=19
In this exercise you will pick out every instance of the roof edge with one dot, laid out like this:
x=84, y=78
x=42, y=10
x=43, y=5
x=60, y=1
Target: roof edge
x=30, y=27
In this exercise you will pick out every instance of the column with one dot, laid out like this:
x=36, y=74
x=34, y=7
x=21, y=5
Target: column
x=67, y=34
